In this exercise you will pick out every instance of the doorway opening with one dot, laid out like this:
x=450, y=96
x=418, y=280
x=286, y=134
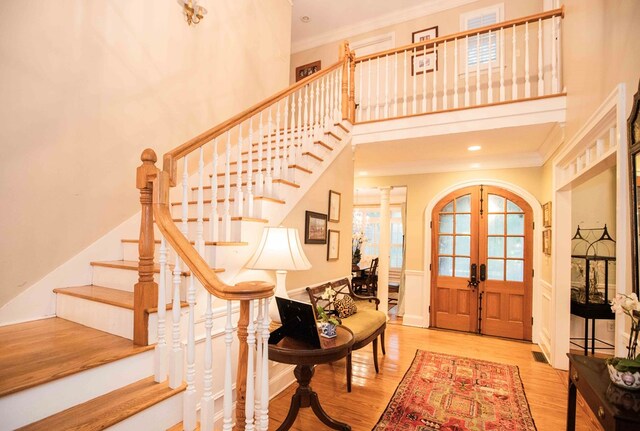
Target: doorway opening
x=482, y=264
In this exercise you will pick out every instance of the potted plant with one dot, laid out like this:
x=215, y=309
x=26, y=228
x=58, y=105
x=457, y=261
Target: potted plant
x=625, y=372
x=328, y=323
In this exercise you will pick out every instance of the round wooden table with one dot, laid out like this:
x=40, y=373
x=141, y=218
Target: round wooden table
x=304, y=357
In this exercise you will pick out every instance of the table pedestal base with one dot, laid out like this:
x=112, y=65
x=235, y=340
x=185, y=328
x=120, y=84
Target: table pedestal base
x=306, y=397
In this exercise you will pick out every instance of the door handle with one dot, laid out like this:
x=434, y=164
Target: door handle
x=483, y=272
x=473, y=282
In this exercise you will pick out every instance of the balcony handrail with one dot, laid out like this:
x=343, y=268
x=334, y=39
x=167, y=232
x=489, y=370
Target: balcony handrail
x=473, y=32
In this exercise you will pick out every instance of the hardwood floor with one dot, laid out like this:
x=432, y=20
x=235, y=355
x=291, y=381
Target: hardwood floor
x=545, y=387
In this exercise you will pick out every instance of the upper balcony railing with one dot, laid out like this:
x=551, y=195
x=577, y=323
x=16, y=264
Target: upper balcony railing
x=510, y=61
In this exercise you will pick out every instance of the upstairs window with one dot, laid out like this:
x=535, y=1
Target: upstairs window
x=485, y=49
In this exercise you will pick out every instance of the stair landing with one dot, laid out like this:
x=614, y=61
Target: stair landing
x=45, y=350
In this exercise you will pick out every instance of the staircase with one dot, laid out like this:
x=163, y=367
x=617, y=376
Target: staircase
x=123, y=351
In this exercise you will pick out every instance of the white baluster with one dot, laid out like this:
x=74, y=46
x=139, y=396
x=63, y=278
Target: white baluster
x=368, y=89
x=260, y=173
x=386, y=86
x=213, y=214
x=239, y=196
x=317, y=122
x=413, y=81
x=227, y=421
x=377, y=88
x=404, y=86
x=466, y=74
x=527, y=83
x=160, y=358
x=264, y=385
x=200, y=205
x=478, y=58
x=338, y=112
x=258, y=361
x=514, y=86
x=294, y=142
x=555, y=39
x=176, y=359
x=490, y=71
x=305, y=129
x=226, y=212
x=312, y=118
x=268, y=180
x=434, y=99
x=249, y=200
x=360, y=98
x=277, y=163
x=424, y=81
x=284, y=165
x=330, y=105
x=455, y=74
x=445, y=98
x=207, y=414
x=184, y=228
x=540, y=71
x=502, y=92
x=300, y=140
x=189, y=407
x=250, y=394
x=395, y=84
x=323, y=93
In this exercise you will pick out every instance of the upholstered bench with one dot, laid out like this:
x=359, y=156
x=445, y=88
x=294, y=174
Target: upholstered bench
x=367, y=323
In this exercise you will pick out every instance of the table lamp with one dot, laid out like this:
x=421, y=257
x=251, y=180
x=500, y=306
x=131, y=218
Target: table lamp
x=279, y=250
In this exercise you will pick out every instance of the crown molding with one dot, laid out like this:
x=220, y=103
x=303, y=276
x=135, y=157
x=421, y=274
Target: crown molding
x=376, y=23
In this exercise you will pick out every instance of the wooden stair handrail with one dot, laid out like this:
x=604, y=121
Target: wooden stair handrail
x=476, y=31
x=170, y=158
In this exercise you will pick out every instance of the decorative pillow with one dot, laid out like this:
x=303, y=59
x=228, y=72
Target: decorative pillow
x=345, y=307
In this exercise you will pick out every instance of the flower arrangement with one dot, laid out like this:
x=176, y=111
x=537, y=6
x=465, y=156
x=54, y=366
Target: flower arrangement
x=625, y=372
x=358, y=240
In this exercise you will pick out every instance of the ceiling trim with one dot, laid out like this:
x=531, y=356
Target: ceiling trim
x=376, y=23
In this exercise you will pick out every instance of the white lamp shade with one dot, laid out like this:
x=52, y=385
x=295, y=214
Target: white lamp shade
x=279, y=249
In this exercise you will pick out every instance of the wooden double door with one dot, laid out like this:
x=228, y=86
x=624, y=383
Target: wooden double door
x=481, y=267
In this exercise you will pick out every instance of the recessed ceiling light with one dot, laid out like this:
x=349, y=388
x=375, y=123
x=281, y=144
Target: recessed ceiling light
x=363, y=173
x=475, y=165
x=305, y=19
x=474, y=148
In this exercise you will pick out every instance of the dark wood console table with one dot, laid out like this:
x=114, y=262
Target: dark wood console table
x=304, y=357
x=615, y=408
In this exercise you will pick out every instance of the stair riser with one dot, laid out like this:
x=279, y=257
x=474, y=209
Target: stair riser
x=176, y=210
x=122, y=279
x=160, y=416
x=97, y=315
x=36, y=403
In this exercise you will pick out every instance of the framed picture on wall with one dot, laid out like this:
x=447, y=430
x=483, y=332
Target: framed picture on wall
x=334, y=206
x=315, y=228
x=546, y=242
x=307, y=70
x=546, y=214
x=426, y=34
x=423, y=63
x=333, y=245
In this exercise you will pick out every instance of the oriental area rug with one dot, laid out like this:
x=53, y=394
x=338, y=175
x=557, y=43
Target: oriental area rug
x=450, y=393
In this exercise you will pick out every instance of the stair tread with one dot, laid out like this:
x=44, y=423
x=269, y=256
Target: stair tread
x=132, y=265
x=274, y=180
x=44, y=350
x=253, y=219
x=107, y=295
x=108, y=409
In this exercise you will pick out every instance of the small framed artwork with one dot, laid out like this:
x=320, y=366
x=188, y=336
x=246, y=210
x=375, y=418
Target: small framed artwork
x=423, y=63
x=546, y=242
x=426, y=34
x=315, y=228
x=333, y=245
x=334, y=206
x=307, y=70
x=546, y=214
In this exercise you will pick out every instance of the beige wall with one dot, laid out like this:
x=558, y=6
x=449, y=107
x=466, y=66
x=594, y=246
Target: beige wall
x=338, y=177
x=448, y=22
x=87, y=85
x=422, y=189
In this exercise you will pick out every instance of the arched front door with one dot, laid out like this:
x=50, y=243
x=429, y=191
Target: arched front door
x=482, y=267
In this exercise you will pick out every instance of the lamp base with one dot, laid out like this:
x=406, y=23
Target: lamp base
x=281, y=291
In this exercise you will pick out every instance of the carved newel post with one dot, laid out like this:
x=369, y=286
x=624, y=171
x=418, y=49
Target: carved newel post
x=145, y=291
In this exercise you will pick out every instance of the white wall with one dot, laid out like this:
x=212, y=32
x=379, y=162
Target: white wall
x=87, y=85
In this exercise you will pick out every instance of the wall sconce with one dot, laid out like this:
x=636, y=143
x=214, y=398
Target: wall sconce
x=193, y=12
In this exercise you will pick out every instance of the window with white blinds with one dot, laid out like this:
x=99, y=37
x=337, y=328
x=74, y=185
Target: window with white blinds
x=486, y=48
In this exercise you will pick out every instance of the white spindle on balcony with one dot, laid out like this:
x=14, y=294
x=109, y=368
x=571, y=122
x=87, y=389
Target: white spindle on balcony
x=434, y=99
x=478, y=57
x=540, y=70
x=527, y=80
x=386, y=86
x=514, y=81
x=501, y=54
x=467, y=98
x=455, y=74
x=445, y=98
x=424, y=82
x=554, y=56
x=395, y=84
x=404, y=86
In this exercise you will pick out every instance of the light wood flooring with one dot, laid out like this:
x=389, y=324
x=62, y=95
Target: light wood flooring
x=545, y=387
